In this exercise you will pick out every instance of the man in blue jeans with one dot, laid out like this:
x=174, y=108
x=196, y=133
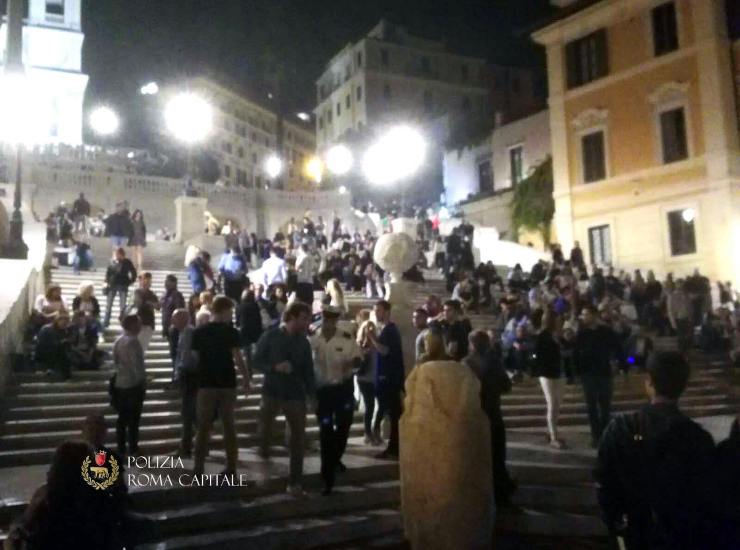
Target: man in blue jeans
x=597, y=345
x=120, y=275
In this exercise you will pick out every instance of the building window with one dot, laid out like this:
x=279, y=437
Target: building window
x=339, y=109
x=485, y=177
x=593, y=156
x=254, y=158
x=673, y=135
x=240, y=152
x=464, y=73
x=682, y=232
x=227, y=170
x=426, y=66
x=359, y=59
x=587, y=59
x=241, y=177
x=226, y=147
x=665, y=29
x=359, y=93
x=465, y=103
x=428, y=102
x=254, y=136
x=321, y=122
x=387, y=91
x=599, y=244
x=55, y=7
x=384, y=57
x=348, y=101
x=516, y=164
x=328, y=116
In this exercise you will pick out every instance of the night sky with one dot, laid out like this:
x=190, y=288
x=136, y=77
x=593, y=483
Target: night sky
x=130, y=43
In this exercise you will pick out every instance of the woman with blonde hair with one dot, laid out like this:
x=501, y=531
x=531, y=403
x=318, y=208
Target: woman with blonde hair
x=366, y=376
x=86, y=302
x=336, y=295
x=204, y=313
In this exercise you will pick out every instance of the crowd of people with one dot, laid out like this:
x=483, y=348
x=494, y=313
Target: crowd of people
x=561, y=323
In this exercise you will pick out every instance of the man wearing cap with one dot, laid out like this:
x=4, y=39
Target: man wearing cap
x=335, y=356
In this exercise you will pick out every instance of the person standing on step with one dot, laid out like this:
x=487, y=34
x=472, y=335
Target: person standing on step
x=120, y=275
x=284, y=356
x=485, y=361
x=171, y=302
x=218, y=351
x=80, y=213
x=547, y=366
x=145, y=302
x=233, y=270
x=335, y=357
x=118, y=227
x=420, y=319
x=138, y=238
x=186, y=376
x=389, y=374
x=129, y=385
x=655, y=469
x=596, y=347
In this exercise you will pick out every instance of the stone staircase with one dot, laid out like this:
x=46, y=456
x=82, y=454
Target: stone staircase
x=558, y=506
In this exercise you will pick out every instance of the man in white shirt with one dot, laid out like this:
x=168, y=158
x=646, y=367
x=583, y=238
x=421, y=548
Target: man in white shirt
x=335, y=356
x=273, y=270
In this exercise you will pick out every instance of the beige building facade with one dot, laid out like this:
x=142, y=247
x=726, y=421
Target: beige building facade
x=644, y=122
x=390, y=76
x=245, y=135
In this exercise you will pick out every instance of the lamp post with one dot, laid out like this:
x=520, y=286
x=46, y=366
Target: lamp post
x=15, y=248
x=189, y=119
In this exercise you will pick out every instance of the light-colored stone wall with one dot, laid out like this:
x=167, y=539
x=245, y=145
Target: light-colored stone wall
x=262, y=211
x=494, y=211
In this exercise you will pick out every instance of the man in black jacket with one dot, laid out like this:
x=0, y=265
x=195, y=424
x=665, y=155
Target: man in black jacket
x=596, y=347
x=485, y=362
x=120, y=275
x=655, y=469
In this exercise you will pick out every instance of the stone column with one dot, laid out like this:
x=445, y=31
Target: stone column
x=189, y=217
x=397, y=253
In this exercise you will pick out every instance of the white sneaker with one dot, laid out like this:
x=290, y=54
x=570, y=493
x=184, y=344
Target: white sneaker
x=296, y=491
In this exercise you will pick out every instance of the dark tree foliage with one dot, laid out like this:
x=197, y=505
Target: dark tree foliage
x=532, y=204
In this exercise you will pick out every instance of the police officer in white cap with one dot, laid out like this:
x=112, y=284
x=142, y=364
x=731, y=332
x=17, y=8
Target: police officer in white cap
x=335, y=356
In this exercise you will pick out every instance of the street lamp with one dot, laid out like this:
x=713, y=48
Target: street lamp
x=339, y=160
x=273, y=166
x=152, y=88
x=315, y=169
x=26, y=118
x=104, y=121
x=189, y=119
x=395, y=156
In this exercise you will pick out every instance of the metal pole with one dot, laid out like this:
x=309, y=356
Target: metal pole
x=15, y=248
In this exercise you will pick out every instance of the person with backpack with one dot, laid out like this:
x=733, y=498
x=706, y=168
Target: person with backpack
x=655, y=468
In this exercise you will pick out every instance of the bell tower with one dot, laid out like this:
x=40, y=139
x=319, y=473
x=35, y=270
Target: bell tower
x=52, y=59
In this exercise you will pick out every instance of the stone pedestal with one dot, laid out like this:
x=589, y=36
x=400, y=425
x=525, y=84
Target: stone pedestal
x=447, y=503
x=405, y=225
x=189, y=217
x=396, y=253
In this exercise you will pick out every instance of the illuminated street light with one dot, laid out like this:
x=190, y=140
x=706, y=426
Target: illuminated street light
x=104, y=121
x=339, y=160
x=273, y=166
x=315, y=169
x=189, y=117
x=688, y=215
x=305, y=117
x=342, y=190
x=395, y=156
x=152, y=88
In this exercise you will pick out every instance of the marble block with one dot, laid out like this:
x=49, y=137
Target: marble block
x=395, y=253
x=445, y=460
x=189, y=217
